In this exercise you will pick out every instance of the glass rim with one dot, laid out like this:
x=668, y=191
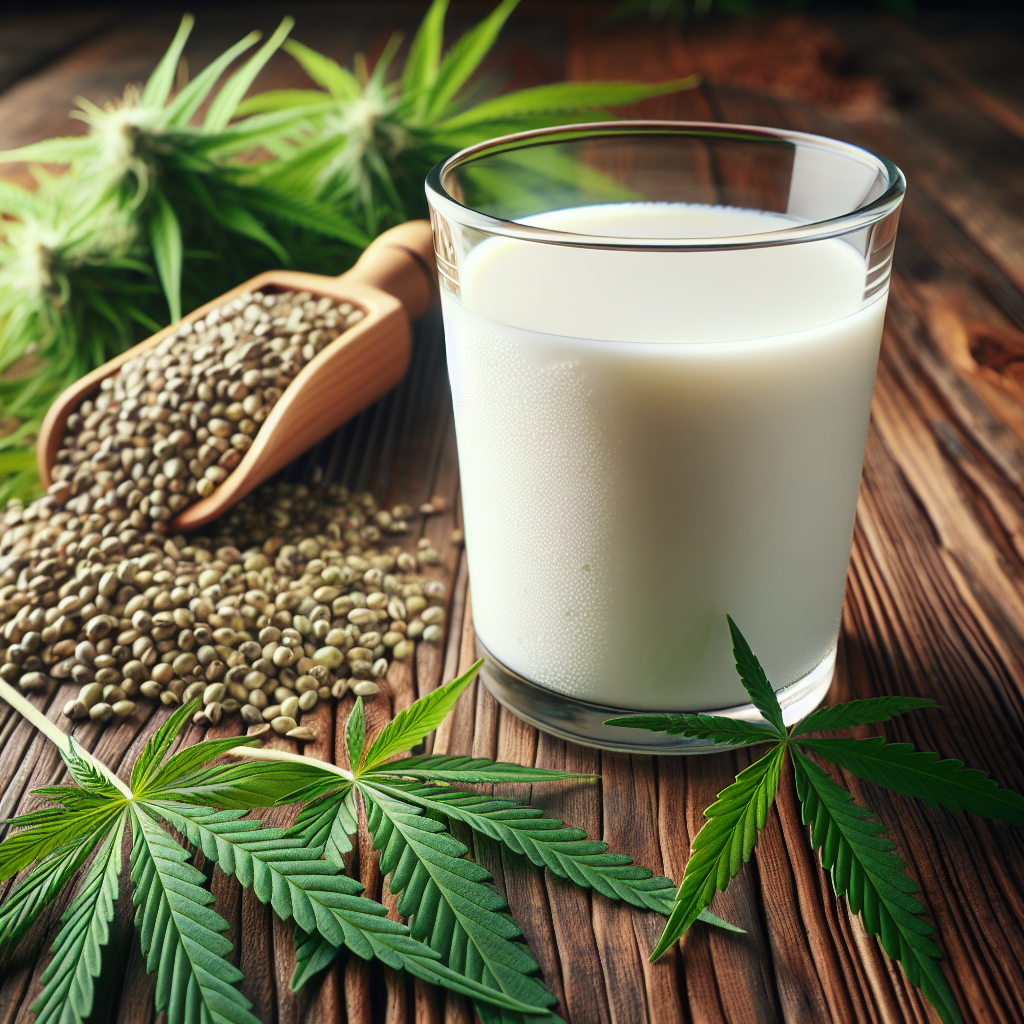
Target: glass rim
x=862, y=217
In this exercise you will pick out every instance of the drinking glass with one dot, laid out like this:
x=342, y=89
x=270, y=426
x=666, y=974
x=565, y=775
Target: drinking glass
x=662, y=340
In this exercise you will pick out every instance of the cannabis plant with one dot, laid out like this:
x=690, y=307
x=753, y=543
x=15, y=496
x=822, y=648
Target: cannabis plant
x=73, y=289
x=461, y=935
x=369, y=140
x=173, y=196
x=181, y=182
x=854, y=845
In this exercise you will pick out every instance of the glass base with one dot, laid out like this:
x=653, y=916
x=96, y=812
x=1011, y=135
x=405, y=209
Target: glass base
x=583, y=722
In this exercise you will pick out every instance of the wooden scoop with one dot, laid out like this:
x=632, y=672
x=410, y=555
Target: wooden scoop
x=393, y=282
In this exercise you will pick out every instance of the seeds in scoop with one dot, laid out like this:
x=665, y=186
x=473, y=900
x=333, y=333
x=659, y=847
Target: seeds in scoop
x=161, y=413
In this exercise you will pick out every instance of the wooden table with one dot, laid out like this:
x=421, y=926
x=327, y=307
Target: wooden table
x=935, y=598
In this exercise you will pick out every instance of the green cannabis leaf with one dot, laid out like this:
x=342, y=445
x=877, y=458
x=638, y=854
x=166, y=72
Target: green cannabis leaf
x=450, y=899
x=855, y=847
x=724, y=844
x=461, y=934
x=863, y=866
x=180, y=934
x=412, y=725
x=68, y=981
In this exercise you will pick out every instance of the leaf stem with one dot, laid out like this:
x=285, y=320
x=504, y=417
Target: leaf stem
x=264, y=754
x=61, y=740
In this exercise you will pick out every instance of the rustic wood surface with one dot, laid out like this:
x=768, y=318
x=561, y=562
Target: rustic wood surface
x=935, y=596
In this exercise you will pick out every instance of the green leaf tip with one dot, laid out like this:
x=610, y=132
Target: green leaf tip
x=755, y=682
x=355, y=734
x=860, y=712
x=421, y=718
x=919, y=773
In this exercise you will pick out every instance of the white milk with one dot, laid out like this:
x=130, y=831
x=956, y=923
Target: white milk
x=648, y=441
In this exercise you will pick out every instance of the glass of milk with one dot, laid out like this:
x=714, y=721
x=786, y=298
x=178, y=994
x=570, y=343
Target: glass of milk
x=662, y=340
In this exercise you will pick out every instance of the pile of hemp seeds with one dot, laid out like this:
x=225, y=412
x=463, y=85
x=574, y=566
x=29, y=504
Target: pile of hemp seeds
x=298, y=594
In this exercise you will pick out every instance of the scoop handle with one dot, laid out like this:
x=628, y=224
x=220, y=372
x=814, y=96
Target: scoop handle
x=401, y=263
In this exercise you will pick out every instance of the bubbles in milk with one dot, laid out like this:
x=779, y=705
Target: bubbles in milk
x=547, y=514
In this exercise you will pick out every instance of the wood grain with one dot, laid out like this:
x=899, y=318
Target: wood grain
x=934, y=603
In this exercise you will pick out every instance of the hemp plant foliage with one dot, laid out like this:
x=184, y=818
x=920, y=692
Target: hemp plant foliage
x=367, y=141
x=855, y=848
x=461, y=935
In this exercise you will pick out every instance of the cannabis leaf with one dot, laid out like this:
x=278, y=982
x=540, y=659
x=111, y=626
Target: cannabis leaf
x=755, y=682
x=452, y=901
x=417, y=721
x=860, y=712
x=724, y=844
x=328, y=822
x=449, y=899
x=716, y=728
x=41, y=885
x=863, y=867
x=67, y=994
x=566, y=852
x=355, y=733
x=855, y=847
x=445, y=768
x=44, y=830
x=461, y=936
x=920, y=773
x=297, y=883
x=180, y=935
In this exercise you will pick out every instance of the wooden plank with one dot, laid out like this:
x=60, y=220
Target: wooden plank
x=980, y=62
x=967, y=162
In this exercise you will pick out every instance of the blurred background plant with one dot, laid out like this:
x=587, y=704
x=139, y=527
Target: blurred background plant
x=182, y=189
x=369, y=141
